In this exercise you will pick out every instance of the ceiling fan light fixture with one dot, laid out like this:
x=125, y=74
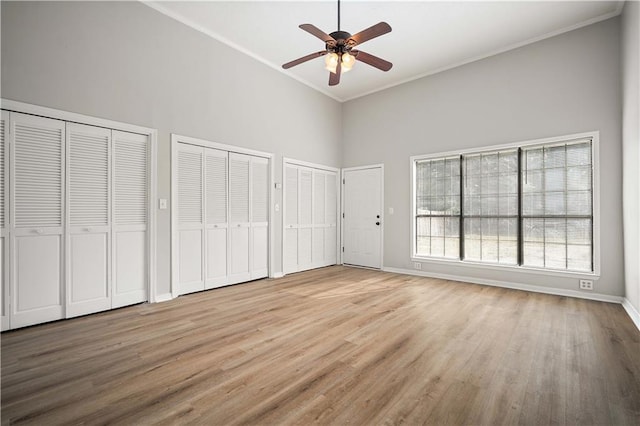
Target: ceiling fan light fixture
x=348, y=60
x=331, y=62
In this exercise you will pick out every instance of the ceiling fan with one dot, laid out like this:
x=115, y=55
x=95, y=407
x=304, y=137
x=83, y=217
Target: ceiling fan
x=340, y=52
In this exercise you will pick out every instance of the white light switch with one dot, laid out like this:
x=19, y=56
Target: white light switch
x=277, y=207
x=163, y=203
x=390, y=210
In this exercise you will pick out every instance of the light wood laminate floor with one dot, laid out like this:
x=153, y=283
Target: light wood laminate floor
x=331, y=346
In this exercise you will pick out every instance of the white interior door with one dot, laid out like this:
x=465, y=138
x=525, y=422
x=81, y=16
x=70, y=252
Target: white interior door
x=88, y=220
x=4, y=225
x=239, y=224
x=130, y=218
x=190, y=250
x=216, y=243
x=37, y=212
x=259, y=208
x=363, y=217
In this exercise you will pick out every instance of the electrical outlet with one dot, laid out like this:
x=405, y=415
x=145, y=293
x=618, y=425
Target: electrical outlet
x=586, y=284
x=417, y=265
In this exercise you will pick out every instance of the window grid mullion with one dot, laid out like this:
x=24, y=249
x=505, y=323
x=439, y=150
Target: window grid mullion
x=520, y=245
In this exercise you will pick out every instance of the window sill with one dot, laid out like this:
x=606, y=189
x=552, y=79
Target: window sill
x=508, y=268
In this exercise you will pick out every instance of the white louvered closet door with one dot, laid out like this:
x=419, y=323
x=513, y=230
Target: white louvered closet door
x=37, y=217
x=290, y=240
x=4, y=225
x=259, y=237
x=190, y=195
x=239, y=166
x=216, y=172
x=130, y=218
x=319, y=216
x=305, y=218
x=331, y=219
x=88, y=220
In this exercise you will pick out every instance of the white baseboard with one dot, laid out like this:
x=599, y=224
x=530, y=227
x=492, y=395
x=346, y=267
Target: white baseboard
x=516, y=286
x=277, y=275
x=164, y=297
x=632, y=312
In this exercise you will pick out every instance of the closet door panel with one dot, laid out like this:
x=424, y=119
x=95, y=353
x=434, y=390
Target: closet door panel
x=259, y=217
x=190, y=255
x=216, y=257
x=88, y=273
x=290, y=240
x=319, y=213
x=4, y=225
x=331, y=219
x=88, y=220
x=37, y=263
x=190, y=218
x=304, y=249
x=305, y=218
x=37, y=190
x=239, y=244
x=260, y=252
x=131, y=258
x=130, y=215
x=216, y=172
x=290, y=260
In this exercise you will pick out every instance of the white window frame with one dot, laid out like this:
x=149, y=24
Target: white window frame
x=595, y=156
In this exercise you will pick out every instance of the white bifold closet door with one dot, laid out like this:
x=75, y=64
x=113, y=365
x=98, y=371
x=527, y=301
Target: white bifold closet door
x=37, y=215
x=239, y=167
x=216, y=172
x=88, y=221
x=290, y=239
x=248, y=217
x=190, y=218
x=310, y=218
x=130, y=224
x=259, y=207
x=4, y=179
x=222, y=218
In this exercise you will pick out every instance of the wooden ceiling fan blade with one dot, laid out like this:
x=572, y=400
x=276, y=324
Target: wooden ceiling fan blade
x=372, y=60
x=372, y=32
x=334, y=79
x=313, y=30
x=304, y=59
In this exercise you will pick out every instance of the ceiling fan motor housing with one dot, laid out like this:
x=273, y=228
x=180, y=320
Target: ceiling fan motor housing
x=343, y=43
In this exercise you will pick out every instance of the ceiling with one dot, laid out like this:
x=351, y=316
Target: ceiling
x=427, y=36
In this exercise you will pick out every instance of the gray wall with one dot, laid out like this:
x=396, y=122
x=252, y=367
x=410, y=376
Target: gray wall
x=631, y=149
x=562, y=85
x=124, y=61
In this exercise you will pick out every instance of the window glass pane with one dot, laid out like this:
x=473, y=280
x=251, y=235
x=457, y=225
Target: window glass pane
x=508, y=241
x=491, y=194
x=472, y=239
x=437, y=206
x=557, y=207
x=423, y=236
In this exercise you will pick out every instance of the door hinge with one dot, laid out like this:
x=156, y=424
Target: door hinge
x=343, y=181
x=343, y=249
x=343, y=215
